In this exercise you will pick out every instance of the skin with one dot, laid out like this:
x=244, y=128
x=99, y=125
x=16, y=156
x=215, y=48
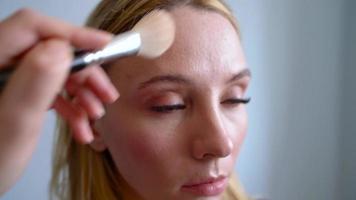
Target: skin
x=42, y=48
x=158, y=152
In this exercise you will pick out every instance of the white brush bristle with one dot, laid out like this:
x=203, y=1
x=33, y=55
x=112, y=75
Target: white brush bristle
x=157, y=31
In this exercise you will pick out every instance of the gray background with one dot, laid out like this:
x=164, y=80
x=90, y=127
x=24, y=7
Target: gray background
x=302, y=137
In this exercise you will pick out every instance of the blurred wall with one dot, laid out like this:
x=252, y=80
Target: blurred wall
x=298, y=135
x=347, y=184
x=302, y=131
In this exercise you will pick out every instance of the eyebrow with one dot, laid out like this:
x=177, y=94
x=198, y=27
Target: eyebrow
x=244, y=73
x=182, y=80
x=165, y=78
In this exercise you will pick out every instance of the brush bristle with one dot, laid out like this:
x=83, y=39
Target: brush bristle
x=157, y=30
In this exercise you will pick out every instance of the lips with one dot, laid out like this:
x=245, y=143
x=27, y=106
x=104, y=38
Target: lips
x=206, y=187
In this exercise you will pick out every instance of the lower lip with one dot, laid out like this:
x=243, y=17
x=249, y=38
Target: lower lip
x=207, y=189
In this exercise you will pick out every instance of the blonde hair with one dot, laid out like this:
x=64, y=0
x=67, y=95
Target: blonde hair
x=81, y=173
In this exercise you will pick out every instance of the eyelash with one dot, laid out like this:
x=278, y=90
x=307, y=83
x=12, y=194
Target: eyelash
x=238, y=101
x=170, y=108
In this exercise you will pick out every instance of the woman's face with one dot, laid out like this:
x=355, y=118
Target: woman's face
x=178, y=125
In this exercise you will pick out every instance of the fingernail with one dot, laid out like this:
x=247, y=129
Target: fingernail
x=100, y=113
x=87, y=134
x=89, y=138
x=114, y=95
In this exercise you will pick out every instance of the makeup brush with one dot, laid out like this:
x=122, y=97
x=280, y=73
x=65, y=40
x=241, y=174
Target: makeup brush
x=149, y=38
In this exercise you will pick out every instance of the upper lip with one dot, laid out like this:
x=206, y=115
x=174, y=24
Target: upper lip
x=202, y=181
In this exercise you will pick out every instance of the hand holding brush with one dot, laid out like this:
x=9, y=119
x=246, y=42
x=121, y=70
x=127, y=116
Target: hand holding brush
x=35, y=61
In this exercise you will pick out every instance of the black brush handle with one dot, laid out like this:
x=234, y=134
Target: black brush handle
x=4, y=76
x=77, y=64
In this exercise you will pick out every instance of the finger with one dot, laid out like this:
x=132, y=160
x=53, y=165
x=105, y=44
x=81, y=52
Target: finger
x=101, y=85
x=90, y=103
x=25, y=28
x=39, y=78
x=72, y=86
x=76, y=119
x=95, y=79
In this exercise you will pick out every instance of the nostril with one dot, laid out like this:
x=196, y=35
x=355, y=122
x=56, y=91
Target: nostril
x=228, y=148
x=215, y=139
x=213, y=147
x=223, y=147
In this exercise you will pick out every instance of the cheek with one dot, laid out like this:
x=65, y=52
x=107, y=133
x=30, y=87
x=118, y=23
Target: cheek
x=138, y=149
x=142, y=148
x=124, y=137
x=239, y=130
x=144, y=156
x=131, y=146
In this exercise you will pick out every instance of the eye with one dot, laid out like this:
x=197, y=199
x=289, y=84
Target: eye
x=237, y=101
x=168, y=108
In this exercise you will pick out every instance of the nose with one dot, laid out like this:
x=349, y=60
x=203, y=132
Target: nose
x=212, y=138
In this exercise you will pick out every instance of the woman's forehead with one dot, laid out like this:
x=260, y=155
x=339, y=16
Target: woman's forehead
x=202, y=33
x=205, y=43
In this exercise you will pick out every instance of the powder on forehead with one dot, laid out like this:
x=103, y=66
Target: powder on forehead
x=203, y=37
x=202, y=34
x=203, y=28
x=202, y=22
